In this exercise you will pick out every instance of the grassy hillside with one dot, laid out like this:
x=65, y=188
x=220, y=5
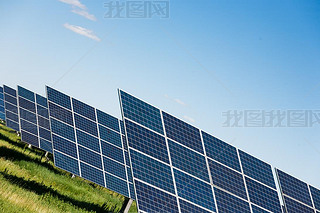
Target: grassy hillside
x=29, y=182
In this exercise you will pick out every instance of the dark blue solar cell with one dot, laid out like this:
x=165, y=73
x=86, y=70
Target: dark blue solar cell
x=23, y=103
x=58, y=98
x=1, y=96
x=257, y=169
x=10, y=99
x=117, y=185
x=45, y=134
x=108, y=120
x=188, y=160
x=1, y=102
x=187, y=207
x=182, y=132
x=110, y=136
x=152, y=171
x=92, y=174
x=86, y=125
x=293, y=206
x=1, y=89
x=27, y=94
x=44, y=123
x=153, y=200
x=256, y=209
x=115, y=168
x=62, y=129
x=28, y=116
x=46, y=145
x=227, y=179
x=64, y=146
x=315, y=193
x=127, y=158
x=90, y=157
x=124, y=142
x=122, y=127
x=60, y=113
x=129, y=172
x=84, y=109
x=263, y=196
x=66, y=163
x=12, y=116
x=228, y=203
x=141, y=112
x=43, y=111
x=193, y=190
x=29, y=138
x=221, y=151
x=11, y=107
x=42, y=101
x=112, y=151
x=9, y=90
x=2, y=109
x=132, y=192
x=147, y=141
x=29, y=127
x=13, y=125
x=294, y=188
x=88, y=141
x=2, y=116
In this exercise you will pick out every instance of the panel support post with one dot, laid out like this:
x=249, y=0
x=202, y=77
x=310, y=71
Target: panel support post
x=126, y=205
x=46, y=155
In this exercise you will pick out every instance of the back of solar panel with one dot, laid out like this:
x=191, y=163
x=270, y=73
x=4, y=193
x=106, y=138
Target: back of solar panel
x=89, y=143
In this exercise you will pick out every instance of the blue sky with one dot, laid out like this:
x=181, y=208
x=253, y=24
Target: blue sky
x=207, y=58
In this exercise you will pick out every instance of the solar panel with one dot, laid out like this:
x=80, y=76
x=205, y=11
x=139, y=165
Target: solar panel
x=293, y=206
x=294, y=188
x=89, y=143
x=315, y=193
x=196, y=167
x=34, y=119
x=11, y=108
x=2, y=110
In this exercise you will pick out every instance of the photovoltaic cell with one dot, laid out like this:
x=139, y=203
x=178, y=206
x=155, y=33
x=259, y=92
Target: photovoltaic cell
x=27, y=94
x=2, y=110
x=257, y=169
x=153, y=200
x=227, y=179
x=256, y=209
x=315, y=193
x=263, y=196
x=182, y=132
x=188, y=160
x=92, y=139
x=228, y=203
x=141, y=112
x=10, y=105
x=221, y=151
x=293, y=206
x=187, y=207
x=9, y=91
x=66, y=163
x=294, y=188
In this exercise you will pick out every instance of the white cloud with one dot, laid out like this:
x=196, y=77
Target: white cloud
x=85, y=14
x=75, y=3
x=189, y=119
x=179, y=102
x=82, y=31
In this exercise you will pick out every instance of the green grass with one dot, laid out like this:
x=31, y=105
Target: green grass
x=29, y=182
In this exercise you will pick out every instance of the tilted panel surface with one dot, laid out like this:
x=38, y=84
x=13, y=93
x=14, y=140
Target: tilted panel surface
x=176, y=149
x=11, y=107
x=34, y=119
x=2, y=110
x=91, y=140
x=315, y=193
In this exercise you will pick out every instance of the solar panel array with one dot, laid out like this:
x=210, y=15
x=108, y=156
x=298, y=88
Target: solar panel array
x=298, y=196
x=2, y=110
x=34, y=119
x=89, y=143
x=176, y=167
x=189, y=169
x=11, y=108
